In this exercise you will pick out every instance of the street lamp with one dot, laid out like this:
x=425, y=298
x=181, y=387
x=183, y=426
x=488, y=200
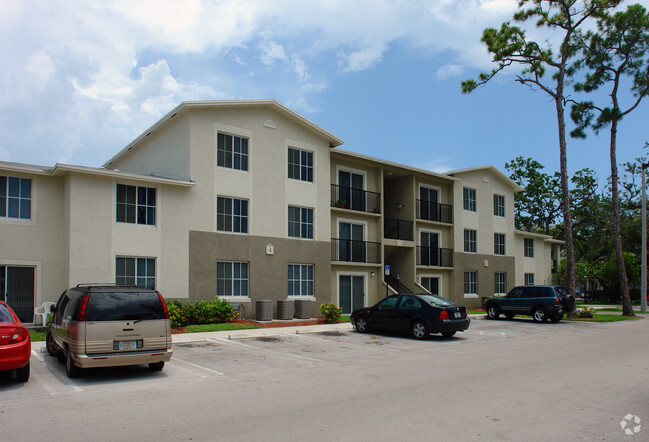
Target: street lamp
x=643, y=284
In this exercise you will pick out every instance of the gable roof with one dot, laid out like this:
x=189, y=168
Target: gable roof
x=185, y=106
x=511, y=183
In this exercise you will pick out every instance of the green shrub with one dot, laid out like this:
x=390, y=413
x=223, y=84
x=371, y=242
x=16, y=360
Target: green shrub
x=330, y=312
x=584, y=312
x=200, y=312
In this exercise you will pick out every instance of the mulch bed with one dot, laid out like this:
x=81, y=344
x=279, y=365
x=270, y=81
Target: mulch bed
x=265, y=324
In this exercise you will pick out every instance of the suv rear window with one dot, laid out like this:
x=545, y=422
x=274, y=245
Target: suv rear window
x=124, y=306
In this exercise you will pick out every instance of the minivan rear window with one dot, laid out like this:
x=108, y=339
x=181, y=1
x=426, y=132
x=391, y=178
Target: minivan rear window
x=124, y=306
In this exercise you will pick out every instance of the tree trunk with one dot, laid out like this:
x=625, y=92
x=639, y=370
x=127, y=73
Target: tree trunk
x=627, y=309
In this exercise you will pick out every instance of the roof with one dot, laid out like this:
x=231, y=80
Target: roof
x=544, y=237
x=511, y=183
x=186, y=106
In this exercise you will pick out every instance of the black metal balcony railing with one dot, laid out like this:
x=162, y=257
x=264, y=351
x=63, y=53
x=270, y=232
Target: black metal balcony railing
x=355, y=199
x=430, y=211
x=348, y=250
x=434, y=257
x=398, y=229
x=397, y=285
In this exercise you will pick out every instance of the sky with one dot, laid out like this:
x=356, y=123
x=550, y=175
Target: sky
x=81, y=79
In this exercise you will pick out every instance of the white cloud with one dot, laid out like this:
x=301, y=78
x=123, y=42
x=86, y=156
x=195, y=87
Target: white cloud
x=271, y=52
x=449, y=71
x=363, y=59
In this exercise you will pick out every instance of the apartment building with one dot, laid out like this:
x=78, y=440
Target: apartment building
x=249, y=201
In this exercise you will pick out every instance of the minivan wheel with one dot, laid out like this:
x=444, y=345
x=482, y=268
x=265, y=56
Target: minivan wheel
x=157, y=366
x=419, y=330
x=493, y=312
x=361, y=324
x=52, y=349
x=539, y=315
x=71, y=370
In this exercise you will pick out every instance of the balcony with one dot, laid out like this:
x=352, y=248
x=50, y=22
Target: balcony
x=430, y=211
x=347, y=250
x=355, y=199
x=398, y=229
x=434, y=257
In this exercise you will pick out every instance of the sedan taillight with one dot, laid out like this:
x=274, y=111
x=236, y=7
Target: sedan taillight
x=20, y=334
x=443, y=315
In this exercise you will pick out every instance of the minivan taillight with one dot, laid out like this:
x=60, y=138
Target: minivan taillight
x=164, y=305
x=20, y=334
x=83, y=308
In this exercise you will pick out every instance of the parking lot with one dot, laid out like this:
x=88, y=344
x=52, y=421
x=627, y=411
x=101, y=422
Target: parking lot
x=500, y=380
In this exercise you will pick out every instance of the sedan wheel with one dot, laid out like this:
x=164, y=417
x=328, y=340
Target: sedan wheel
x=539, y=315
x=23, y=373
x=361, y=324
x=493, y=312
x=419, y=330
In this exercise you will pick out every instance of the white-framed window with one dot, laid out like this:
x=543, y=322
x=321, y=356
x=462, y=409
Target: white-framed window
x=135, y=271
x=300, y=280
x=136, y=205
x=231, y=215
x=232, y=151
x=499, y=205
x=471, y=283
x=528, y=246
x=500, y=283
x=300, y=222
x=432, y=284
x=300, y=164
x=15, y=197
x=499, y=243
x=529, y=279
x=470, y=241
x=469, y=199
x=231, y=278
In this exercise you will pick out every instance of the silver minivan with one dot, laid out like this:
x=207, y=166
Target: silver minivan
x=110, y=325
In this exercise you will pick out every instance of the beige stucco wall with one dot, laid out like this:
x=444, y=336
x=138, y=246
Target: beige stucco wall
x=486, y=266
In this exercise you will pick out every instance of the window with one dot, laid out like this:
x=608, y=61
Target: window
x=499, y=243
x=500, y=283
x=231, y=278
x=499, y=205
x=136, y=204
x=135, y=271
x=300, y=222
x=431, y=284
x=231, y=215
x=529, y=279
x=470, y=241
x=300, y=164
x=470, y=283
x=528, y=246
x=15, y=197
x=300, y=280
x=469, y=199
x=232, y=151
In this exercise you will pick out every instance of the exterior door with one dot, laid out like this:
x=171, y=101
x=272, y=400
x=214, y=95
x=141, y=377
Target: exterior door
x=17, y=290
x=429, y=207
x=351, y=292
x=429, y=248
x=431, y=284
x=351, y=242
x=351, y=190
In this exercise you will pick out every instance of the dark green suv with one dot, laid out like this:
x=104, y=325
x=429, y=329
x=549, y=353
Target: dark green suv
x=538, y=301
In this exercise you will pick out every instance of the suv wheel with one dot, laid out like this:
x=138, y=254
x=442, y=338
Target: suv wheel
x=157, y=366
x=52, y=349
x=493, y=311
x=557, y=318
x=540, y=315
x=71, y=370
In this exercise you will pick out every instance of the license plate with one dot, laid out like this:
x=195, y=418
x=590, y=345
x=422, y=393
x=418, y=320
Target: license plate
x=458, y=314
x=127, y=345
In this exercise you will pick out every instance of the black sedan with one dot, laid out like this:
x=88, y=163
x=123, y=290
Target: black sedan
x=419, y=314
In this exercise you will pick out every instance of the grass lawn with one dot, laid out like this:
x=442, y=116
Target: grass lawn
x=224, y=326
x=603, y=317
x=37, y=335
x=476, y=312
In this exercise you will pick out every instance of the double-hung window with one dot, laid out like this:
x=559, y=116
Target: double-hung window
x=529, y=279
x=136, y=205
x=231, y=278
x=231, y=215
x=15, y=197
x=300, y=222
x=528, y=246
x=499, y=205
x=300, y=164
x=470, y=241
x=135, y=271
x=468, y=199
x=300, y=280
x=500, y=283
x=471, y=283
x=499, y=243
x=232, y=151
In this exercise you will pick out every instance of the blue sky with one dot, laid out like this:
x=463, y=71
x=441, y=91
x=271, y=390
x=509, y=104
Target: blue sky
x=82, y=78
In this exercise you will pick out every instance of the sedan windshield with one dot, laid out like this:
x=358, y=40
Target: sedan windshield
x=435, y=300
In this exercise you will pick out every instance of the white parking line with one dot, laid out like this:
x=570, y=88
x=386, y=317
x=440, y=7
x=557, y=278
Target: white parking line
x=276, y=353
x=199, y=366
